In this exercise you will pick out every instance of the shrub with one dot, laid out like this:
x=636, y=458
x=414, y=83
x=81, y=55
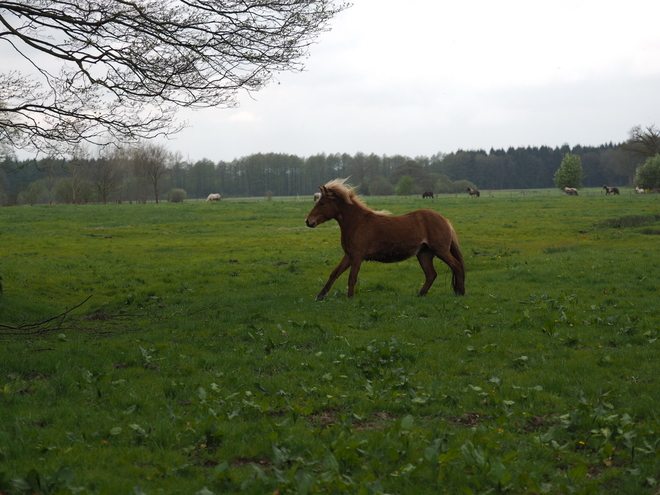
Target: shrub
x=443, y=185
x=648, y=174
x=177, y=196
x=31, y=193
x=569, y=173
x=405, y=186
x=461, y=186
x=380, y=186
x=71, y=190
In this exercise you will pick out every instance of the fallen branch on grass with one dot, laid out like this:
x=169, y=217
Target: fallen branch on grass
x=41, y=326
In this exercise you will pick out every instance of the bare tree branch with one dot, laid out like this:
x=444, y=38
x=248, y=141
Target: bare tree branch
x=644, y=143
x=41, y=326
x=127, y=66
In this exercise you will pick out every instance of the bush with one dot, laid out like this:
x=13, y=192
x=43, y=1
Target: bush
x=177, y=196
x=405, y=186
x=444, y=185
x=461, y=186
x=648, y=174
x=380, y=186
x=31, y=193
x=569, y=173
x=73, y=191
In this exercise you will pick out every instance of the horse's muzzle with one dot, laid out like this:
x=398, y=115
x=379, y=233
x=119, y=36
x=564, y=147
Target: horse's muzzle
x=310, y=224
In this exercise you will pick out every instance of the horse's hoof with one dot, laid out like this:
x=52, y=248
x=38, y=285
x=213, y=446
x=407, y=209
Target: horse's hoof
x=319, y=297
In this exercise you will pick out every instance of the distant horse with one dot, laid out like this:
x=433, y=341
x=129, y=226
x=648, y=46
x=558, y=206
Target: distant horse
x=317, y=196
x=368, y=235
x=213, y=197
x=473, y=192
x=639, y=190
x=425, y=194
x=613, y=190
x=571, y=191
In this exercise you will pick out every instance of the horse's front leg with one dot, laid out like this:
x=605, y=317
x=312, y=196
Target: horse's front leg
x=339, y=269
x=353, y=275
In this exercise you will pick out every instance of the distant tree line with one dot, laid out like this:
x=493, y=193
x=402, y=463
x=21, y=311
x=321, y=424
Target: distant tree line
x=149, y=172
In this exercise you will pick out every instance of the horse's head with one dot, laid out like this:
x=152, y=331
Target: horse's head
x=325, y=209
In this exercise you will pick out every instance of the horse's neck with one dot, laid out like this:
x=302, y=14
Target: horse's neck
x=351, y=216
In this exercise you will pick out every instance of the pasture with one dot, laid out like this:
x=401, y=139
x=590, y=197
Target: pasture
x=202, y=363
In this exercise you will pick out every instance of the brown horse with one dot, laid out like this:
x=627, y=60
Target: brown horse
x=427, y=194
x=613, y=190
x=368, y=235
x=473, y=192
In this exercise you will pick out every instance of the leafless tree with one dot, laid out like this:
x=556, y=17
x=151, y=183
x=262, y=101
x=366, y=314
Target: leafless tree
x=31, y=193
x=50, y=180
x=645, y=143
x=150, y=164
x=106, y=174
x=77, y=185
x=117, y=70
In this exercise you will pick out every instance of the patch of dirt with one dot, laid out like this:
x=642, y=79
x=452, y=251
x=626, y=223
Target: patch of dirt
x=470, y=419
x=246, y=461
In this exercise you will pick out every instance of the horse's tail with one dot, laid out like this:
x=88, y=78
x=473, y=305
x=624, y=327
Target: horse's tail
x=458, y=273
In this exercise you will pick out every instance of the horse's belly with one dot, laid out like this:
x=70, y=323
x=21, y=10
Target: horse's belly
x=391, y=253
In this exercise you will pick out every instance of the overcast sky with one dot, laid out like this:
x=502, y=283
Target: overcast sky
x=421, y=77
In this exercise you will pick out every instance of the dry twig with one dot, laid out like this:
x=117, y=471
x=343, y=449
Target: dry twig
x=41, y=326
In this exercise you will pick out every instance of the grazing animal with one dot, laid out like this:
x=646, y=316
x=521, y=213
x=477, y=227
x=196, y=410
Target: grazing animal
x=317, y=196
x=571, y=191
x=427, y=194
x=473, y=192
x=213, y=197
x=613, y=190
x=639, y=190
x=368, y=235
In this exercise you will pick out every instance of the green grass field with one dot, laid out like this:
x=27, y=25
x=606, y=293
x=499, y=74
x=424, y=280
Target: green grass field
x=202, y=364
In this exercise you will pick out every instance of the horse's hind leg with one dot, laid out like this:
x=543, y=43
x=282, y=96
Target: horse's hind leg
x=425, y=257
x=457, y=269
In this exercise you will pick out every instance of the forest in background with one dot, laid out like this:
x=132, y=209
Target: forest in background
x=151, y=173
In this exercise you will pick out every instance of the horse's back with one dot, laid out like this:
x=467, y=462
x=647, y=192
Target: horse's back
x=426, y=224
x=424, y=216
x=395, y=238
x=410, y=225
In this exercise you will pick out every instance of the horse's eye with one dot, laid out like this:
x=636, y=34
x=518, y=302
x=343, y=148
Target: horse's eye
x=322, y=203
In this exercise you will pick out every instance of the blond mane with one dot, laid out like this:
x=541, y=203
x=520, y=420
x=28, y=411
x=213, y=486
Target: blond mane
x=348, y=194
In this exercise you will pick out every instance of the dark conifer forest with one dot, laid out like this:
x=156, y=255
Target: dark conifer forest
x=151, y=176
